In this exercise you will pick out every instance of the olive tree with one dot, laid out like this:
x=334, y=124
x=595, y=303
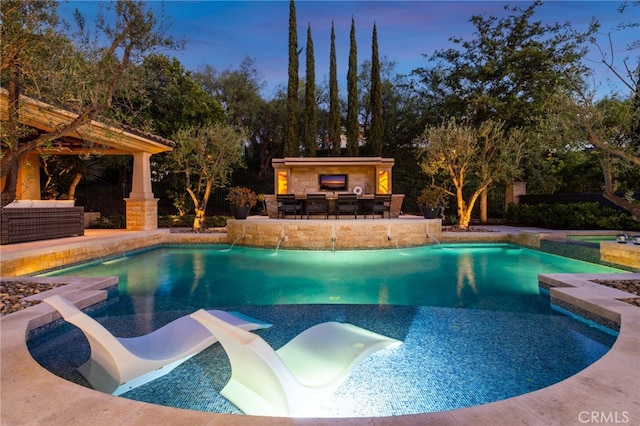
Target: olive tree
x=81, y=72
x=206, y=155
x=467, y=155
x=609, y=127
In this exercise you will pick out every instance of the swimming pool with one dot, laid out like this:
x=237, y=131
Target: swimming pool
x=474, y=327
x=592, y=239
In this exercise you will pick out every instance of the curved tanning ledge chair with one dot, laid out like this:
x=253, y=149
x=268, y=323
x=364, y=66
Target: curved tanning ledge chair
x=293, y=380
x=119, y=364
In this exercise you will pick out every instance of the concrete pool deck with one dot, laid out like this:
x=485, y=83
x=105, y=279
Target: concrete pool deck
x=604, y=393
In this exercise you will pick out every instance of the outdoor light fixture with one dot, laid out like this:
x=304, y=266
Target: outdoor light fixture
x=622, y=238
x=383, y=182
x=636, y=240
x=283, y=182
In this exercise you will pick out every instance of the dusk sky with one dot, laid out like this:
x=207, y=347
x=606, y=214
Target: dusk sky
x=222, y=33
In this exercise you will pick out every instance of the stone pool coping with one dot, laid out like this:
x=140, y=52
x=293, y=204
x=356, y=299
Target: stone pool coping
x=606, y=389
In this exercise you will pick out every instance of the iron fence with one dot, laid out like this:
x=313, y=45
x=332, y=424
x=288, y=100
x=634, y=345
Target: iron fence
x=108, y=199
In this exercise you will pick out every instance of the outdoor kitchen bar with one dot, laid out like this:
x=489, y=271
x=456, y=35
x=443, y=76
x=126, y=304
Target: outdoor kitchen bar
x=363, y=176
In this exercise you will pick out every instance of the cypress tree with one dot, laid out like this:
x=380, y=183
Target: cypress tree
x=377, y=129
x=311, y=115
x=353, y=127
x=334, y=103
x=291, y=143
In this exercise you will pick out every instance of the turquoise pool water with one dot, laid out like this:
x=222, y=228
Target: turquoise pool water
x=448, y=275
x=473, y=325
x=593, y=239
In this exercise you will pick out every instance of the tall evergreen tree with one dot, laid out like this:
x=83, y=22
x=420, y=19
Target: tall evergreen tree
x=291, y=143
x=353, y=127
x=334, y=103
x=311, y=114
x=376, y=131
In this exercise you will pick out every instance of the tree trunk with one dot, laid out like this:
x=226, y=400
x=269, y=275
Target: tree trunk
x=198, y=222
x=634, y=209
x=483, y=207
x=464, y=215
x=611, y=196
x=465, y=219
x=71, y=194
x=10, y=184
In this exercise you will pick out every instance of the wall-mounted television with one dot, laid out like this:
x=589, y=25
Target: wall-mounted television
x=333, y=182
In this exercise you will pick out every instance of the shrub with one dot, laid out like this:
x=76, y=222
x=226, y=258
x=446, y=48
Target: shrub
x=186, y=221
x=111, y=222
x=570, y=216
x=240, y=196
x=433, y=197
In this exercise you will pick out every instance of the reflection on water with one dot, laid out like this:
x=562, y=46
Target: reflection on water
x=465, y=276
x=209, y=277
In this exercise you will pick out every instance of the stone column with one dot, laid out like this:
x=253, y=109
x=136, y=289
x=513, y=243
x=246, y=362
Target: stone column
x=28, y=187
x=142, y=207
x=513, y=193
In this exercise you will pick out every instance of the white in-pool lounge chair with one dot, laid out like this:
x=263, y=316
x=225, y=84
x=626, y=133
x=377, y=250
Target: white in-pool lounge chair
x=293, y=380
x=119, y=364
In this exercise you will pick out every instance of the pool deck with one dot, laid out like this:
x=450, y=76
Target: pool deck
x=604, y=393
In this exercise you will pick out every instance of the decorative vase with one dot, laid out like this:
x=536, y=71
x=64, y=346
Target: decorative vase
x=240, y=212
x=430, y=212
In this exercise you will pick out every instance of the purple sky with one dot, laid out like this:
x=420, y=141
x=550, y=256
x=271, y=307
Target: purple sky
x=222, y=33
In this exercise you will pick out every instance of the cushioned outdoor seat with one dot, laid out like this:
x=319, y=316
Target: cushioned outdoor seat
x=293, y=380
x=119, y=364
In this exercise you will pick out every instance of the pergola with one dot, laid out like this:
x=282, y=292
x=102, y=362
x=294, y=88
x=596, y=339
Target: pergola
x=92, y=138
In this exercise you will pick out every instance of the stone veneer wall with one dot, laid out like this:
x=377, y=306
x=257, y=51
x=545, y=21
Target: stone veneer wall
x=75, y=253
x=305, y=180
x=621, y=254
x=334, y=234
x=142, y=215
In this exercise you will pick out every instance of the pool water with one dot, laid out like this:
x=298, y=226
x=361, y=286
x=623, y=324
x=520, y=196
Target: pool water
x=447, y=275
x=474, y=327
x=592, y=239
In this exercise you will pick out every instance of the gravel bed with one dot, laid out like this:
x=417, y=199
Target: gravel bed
x=456, y=228
x=630, y=286
x=12, y=294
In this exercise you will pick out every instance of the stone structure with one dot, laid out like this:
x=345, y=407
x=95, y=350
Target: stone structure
x=365, y=176
x=334, y=234
x=297, y=175
x=91, y=138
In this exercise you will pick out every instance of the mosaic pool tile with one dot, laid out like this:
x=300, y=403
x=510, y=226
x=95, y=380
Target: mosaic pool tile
x=450, y=357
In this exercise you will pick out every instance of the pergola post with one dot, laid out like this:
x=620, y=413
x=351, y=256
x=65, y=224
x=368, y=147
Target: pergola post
x=142, y=207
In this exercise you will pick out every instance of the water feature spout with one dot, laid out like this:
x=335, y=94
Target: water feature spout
x=280, y=240
x=104, y=259
x=333, y=243
x=235, y=241
x=436, y=240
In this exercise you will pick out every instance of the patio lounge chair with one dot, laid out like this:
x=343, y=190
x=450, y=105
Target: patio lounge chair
x=119, y=364
x=292, y=380
x=288, y=204
x=347, y=203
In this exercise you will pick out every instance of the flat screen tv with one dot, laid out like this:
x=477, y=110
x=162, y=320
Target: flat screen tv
x=333, y=182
